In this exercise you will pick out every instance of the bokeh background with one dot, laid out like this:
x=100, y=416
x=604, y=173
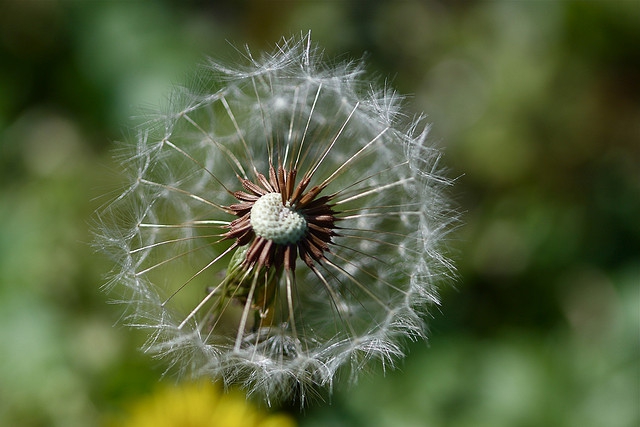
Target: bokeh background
x=536, y=105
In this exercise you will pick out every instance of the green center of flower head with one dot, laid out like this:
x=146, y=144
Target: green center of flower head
x=272, y=220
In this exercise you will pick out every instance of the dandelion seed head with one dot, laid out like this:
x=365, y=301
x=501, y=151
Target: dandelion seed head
x=284, y=222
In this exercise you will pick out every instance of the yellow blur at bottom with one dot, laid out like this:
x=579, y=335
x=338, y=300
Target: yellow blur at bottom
x=201, y=404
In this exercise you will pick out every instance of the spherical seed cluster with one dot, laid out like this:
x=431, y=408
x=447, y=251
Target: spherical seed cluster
x=272, y=220
x=283, y=223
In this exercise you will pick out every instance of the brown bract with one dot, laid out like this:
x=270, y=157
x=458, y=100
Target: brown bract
x=315, y=209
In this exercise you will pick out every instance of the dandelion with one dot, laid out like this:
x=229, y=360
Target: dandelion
x=283, y=223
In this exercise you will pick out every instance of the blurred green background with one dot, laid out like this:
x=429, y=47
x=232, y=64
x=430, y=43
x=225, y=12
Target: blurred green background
x=536, y=105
